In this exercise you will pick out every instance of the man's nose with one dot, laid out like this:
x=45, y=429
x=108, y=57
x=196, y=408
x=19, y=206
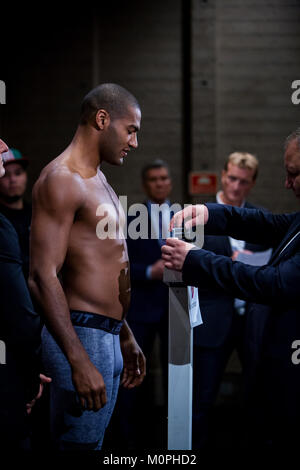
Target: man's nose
x=133, y=141
x=3, y=146
x=13, y=178
x=236, y=185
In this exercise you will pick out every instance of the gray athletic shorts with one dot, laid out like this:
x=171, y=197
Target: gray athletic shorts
x=73, y=428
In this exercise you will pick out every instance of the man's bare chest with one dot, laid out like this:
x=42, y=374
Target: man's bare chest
x=101, y=208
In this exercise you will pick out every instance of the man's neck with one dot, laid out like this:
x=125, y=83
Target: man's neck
x=83, y=150
x=224, y=200
x=17, y=205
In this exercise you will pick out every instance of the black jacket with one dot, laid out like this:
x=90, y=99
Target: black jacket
x=275, y=315
x=19, y=335
x=217, y=306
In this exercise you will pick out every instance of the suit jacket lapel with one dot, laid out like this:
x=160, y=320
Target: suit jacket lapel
x=158, y=240
x=295, y=227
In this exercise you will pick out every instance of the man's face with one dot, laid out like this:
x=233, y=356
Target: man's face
x=237, y=183
x=158, y=184
x=292, y=167
x=13, y=184
x=3, y=148
x=120, y=137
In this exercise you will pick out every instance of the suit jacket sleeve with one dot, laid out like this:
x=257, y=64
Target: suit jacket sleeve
x=142, y=253
x=137, y=266
x=265, y=285
x=252, y=225
x=20, y=324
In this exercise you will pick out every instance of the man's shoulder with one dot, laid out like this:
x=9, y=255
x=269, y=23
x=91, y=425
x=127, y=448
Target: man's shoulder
x=9, y=244
x=5, y=224
x=58, y=176
x=58, y=185
x=58, y=169
x=248, y=205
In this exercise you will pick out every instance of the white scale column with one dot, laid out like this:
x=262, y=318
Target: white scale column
x=180, y=364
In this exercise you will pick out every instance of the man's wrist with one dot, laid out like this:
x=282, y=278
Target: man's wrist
x=206, y=213
x=149, y=272
x=78, y=359
x=125, y=332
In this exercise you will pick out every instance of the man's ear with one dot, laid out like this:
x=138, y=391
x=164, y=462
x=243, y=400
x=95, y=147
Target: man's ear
x=102, y=119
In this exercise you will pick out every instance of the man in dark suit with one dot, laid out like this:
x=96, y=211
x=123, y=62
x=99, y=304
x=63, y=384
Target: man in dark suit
x=19, y=341
x=224, y=317
x=274, y=378
x=148, y=312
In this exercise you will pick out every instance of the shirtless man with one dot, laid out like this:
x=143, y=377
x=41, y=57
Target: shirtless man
x=84, y=309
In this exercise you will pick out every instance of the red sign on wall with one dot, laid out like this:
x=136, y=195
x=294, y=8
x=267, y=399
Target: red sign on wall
x=202, y=183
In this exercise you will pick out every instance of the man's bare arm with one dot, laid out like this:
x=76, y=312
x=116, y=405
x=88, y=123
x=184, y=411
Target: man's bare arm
x=134, y=370
x=56, y=198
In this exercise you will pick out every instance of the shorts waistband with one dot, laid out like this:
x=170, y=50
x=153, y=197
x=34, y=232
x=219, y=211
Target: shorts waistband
x=95, y=320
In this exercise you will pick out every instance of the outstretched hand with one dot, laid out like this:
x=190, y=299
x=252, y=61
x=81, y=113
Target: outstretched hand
x=190, y=216
x=174, y=253
x=43, y=380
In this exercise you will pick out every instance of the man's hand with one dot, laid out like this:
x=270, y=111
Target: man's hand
x=134, y=369
x=190, y=216
x=174, y=253
x=43, y=380
x=236, y=253
x=157, y=270
x=89, y=385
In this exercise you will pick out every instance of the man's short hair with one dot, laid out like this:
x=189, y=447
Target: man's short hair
x=109, y=96
x=292, y=136
x=243, y=160
x=158, y=163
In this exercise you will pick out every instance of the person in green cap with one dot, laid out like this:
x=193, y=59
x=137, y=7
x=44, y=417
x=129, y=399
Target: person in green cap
x=12, y=204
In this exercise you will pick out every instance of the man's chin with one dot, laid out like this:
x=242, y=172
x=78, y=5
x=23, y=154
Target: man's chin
x=11, y=198
x=234, y=202
x=117, y=162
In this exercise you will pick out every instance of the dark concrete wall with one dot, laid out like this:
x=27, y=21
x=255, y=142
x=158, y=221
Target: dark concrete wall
x=245, y=55
x=48, y=69
x=142, y=52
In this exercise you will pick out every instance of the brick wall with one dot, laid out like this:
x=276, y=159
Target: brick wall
x=248, y=53
x=245, y=55
x=142, y=52
x=47, y=71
